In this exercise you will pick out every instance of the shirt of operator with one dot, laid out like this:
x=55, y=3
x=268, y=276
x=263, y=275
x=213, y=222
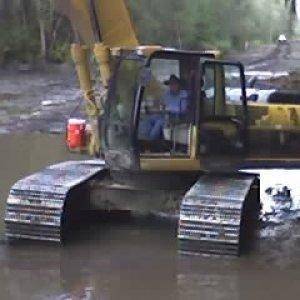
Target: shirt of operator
x=176, y=103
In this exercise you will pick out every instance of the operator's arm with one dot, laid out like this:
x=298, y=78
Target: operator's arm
x=176, y=104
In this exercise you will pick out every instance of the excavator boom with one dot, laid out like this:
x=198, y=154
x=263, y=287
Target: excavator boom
x=98, y=26
x=112, y=17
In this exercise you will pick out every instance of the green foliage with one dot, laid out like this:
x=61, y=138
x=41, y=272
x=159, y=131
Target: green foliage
x=18, y=43
x=60, y=52
x=30, y=29
x=218, y=23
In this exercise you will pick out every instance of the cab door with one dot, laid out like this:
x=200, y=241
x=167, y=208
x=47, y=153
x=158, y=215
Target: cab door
x=121, y=153
x=223, y=124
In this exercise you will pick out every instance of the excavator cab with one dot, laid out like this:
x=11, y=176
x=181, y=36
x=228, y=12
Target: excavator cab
x=148, y=126
x=223, y=136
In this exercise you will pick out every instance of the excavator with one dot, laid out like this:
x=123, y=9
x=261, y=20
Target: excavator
x=191, y=170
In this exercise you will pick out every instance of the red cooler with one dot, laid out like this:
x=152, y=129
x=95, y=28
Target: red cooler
x=76, y=134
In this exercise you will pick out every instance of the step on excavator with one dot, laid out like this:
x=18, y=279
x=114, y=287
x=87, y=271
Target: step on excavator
x=190, y=168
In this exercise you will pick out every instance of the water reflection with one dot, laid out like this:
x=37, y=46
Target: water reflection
x=103, y=262
x=138, y=260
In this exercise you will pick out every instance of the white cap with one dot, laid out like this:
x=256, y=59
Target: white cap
x=76, y=122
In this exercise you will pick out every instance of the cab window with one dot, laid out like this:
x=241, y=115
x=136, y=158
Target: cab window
x=165, y=117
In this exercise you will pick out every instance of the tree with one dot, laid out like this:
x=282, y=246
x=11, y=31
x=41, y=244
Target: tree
x=291, y=5
x=31, y=28
x=45, y=14
x=208, y=23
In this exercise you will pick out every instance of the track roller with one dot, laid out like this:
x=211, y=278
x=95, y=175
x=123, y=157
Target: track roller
x=217, y=214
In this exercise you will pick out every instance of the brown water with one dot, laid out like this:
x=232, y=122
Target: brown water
x=136, y=258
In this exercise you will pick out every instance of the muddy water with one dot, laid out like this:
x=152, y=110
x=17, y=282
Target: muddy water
x=137, y=258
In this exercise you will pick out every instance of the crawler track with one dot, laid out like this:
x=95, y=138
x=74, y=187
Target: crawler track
x=213, y=214
x=36, y=206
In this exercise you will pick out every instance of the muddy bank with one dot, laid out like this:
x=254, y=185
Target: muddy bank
x=37, y=101
x=273, y=58
x=42, y=101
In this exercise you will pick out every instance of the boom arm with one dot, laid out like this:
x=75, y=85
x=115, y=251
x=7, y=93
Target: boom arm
x=112, y=16
x=116, y=27
x=100, y=25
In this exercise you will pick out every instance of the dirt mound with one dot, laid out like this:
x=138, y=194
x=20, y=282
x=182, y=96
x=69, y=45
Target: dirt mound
x=290, y=82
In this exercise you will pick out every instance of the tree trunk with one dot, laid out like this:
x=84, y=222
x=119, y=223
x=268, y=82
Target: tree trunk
x=6, y=9
x=26, y=10
x=43, y=40
x=178, y=33
x=292, y=8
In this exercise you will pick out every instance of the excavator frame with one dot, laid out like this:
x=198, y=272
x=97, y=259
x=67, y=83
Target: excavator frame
x=216, y=204
x=210, y=205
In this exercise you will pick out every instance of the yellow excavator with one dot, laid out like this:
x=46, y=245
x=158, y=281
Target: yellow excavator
x=190, y=168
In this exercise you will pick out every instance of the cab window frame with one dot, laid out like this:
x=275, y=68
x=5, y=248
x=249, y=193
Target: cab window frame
x=173, y=54
x=223, y=63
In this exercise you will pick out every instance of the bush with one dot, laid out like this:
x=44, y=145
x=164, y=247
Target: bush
x=60, y=52
x=18, y=43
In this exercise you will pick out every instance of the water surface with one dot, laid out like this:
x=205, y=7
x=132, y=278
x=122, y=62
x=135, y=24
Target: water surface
x=136, y=258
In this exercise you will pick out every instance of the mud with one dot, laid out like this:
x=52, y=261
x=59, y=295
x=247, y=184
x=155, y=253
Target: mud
x=35, y=101
x=273, y=67
x=272, y=58
x=136, y=257
x=42, y=101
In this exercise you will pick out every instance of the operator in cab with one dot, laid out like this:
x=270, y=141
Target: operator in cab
x=175, y=99
x=174, y=104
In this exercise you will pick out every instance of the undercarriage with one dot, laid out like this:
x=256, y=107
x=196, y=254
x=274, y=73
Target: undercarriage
x=212, y=210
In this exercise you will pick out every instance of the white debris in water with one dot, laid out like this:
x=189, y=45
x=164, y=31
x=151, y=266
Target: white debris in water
x=53, y=102
x=4, y=131
x=4, y=117
x=24, y=117
x=57, y=127
x=264, y=75
x=36, y=114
